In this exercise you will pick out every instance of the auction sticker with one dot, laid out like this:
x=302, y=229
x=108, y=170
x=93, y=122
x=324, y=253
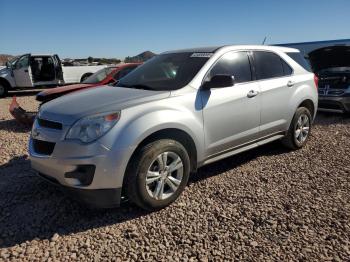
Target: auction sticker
x=201, y=54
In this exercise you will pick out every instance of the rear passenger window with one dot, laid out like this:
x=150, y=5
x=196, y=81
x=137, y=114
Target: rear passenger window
x=297, y=57
x=268, y=65
x=235, y=64
x=287, y=70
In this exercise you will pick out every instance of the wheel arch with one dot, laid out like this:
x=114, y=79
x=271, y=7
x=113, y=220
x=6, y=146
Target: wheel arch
x=6, y=85
x=176, y=134
x=309, y=104
x=5, y=82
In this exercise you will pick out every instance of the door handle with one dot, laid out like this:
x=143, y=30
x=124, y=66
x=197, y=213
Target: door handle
x=26, y=70
x=290, y=83
x=252, y=93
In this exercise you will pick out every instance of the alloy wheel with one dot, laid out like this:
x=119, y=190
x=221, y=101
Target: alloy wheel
x=302, y=128
x=164, y=175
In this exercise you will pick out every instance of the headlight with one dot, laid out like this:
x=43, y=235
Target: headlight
x=93, y=127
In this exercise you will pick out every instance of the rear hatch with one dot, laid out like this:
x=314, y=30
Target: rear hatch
x=332, y=66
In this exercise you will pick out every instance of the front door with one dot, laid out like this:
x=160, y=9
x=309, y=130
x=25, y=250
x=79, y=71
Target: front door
x=22, y=72
x=231, y=114
x=58, y=69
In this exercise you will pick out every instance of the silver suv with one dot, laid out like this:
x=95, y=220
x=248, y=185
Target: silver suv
x=181, y=110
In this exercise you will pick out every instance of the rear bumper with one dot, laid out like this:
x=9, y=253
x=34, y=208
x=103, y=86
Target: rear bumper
x=334, y=103
x=95, y=198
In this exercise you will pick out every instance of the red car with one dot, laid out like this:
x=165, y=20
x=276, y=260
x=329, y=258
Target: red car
x=102, y=77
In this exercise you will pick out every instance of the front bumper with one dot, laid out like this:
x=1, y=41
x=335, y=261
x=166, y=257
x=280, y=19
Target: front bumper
x=91, y=172
x=95, y=198
x=334, y=103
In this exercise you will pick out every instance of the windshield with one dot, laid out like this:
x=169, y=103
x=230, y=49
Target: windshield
x=98, y=76
x=165, y=72
x=13, y=61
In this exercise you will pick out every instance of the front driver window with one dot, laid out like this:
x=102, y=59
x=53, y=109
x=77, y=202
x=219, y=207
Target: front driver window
x=235, y=64
x=22, y=62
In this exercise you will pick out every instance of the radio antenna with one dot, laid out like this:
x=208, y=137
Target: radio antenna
x=263, y=42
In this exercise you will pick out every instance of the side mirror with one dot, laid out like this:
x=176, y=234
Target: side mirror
x=219, y=81
x=8, y=65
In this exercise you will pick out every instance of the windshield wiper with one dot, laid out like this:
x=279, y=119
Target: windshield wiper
x=138, y=86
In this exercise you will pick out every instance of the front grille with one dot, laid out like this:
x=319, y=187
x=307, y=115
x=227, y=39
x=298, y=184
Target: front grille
x=336, y=82
x=321, y=92
x=49, y=124
x=336, y=92
x=43, y=147
x=331, y=92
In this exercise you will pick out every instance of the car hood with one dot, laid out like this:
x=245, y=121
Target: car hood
x=69, y=108
x=328, y=57
x=52, y=93
x=64, y=89
x=4, y=71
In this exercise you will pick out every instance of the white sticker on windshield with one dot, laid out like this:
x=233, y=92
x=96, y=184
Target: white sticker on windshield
x=201, y=54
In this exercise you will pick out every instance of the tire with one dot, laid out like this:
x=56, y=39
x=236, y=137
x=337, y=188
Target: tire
x=3, y=90
x=147, y=165
x=292, y=140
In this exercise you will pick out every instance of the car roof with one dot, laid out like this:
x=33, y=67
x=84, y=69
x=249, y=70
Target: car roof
x=41, y=55
x=208, y=49
x=213, y=49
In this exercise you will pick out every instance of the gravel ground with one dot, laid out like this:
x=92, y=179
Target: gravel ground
x=265, y=204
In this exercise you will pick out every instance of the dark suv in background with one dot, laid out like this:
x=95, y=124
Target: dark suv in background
x=332, y=66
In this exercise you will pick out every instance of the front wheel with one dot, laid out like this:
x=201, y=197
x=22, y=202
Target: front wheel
x=299, y=130
x=3, y=90
x=157, y=174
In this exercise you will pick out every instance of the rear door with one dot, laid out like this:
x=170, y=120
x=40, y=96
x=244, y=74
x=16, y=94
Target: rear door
x=22, y=72
x=231, y=114
x=275, y=78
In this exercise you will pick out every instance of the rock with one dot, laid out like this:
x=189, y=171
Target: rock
x=254, y=243
x=55, y=237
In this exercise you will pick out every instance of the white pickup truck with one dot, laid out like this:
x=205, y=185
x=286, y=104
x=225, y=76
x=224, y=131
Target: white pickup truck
x=29, y=70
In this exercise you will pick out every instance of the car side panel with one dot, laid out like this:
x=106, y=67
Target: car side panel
x=275, y=97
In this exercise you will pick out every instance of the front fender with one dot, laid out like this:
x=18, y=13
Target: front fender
x=132, y=129
x=145, y=125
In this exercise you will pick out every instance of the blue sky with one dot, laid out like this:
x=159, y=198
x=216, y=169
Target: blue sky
x=103, y=28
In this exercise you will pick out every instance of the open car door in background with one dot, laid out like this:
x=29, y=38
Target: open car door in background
x=22, y=72
x=58, y=69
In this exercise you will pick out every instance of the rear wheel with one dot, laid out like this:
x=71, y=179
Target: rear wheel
x=157, y=174
x=3, y=90
x=299, y=130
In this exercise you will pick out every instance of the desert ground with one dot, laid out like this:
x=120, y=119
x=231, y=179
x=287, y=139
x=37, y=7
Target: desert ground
x=265, y=204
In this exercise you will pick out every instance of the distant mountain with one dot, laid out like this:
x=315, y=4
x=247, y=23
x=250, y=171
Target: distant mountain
x=4, y=58
x=144, y=56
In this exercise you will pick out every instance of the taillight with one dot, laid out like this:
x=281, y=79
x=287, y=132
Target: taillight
x=316, y=80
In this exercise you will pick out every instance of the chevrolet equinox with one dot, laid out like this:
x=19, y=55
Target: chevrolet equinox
x=141, y=138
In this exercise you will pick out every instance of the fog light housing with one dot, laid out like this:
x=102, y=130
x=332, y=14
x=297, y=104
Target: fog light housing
x=83, y=173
